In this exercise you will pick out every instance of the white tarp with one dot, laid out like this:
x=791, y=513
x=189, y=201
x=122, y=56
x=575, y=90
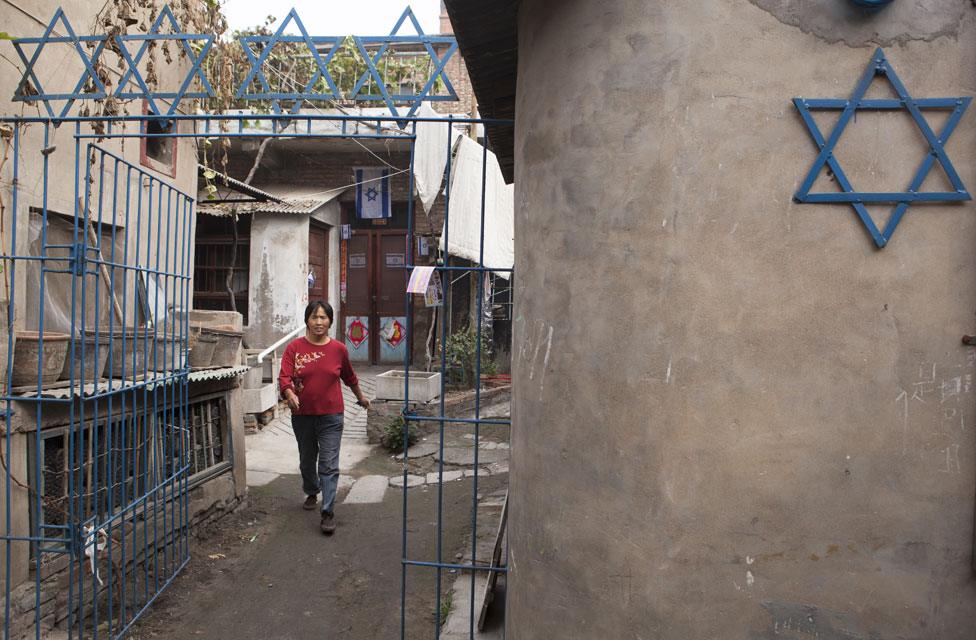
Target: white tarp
x=465, y=210
x=430, y=155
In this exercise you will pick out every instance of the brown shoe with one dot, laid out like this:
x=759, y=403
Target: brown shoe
x=310, y=502
x=328, y=523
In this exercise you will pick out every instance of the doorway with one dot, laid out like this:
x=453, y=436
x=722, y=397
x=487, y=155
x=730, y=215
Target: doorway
x=318, y=262
x=376, y=283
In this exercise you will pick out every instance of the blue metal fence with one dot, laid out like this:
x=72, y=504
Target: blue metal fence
x=117, y=523
x=95, y=393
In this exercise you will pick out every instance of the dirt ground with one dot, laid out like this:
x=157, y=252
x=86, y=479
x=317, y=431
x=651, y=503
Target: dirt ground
x=266, y=571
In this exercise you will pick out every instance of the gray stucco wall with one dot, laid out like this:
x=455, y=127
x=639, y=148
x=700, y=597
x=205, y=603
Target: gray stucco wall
x=278, y=289
x=278, y=286
x=58, y=69
x=735, y=417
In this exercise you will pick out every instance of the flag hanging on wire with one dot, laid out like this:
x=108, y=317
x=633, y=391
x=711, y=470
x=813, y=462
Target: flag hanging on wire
x=372, y=192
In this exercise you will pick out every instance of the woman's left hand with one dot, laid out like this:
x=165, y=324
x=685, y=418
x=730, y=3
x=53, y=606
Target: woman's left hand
x=363, y=402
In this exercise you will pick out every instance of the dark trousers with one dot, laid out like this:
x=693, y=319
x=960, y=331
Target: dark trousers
x=318, y=454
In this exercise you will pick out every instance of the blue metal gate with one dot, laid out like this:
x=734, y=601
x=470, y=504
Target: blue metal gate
x=96, y=450
x=96, y=393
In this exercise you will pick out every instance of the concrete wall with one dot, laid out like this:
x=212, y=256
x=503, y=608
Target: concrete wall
x=278, y=277
x=734, y=416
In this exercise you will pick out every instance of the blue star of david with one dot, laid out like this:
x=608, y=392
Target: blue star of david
x=371, y=194
x=257, y=61
x=413, y=99
x=879, y=65
x=42, y=96
x=154, y=35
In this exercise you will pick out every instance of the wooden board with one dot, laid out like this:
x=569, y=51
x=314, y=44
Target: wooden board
x=496, y=561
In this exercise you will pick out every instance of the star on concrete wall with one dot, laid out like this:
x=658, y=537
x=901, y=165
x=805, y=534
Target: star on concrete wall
x=879, y=66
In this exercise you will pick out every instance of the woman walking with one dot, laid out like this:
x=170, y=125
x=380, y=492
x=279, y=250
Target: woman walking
x=309, y=382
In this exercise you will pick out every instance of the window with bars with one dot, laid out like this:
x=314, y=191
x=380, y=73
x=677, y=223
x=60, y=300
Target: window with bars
x=205, y=429
x=113, y=464
x=213, y=253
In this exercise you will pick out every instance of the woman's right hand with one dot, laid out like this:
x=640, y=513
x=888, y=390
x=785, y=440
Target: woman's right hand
x=292, y=399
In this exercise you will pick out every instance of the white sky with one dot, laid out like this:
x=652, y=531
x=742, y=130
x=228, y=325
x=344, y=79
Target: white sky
x=337, y=17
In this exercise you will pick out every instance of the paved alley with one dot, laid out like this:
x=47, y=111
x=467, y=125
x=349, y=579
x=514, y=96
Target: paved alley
x=266, y=571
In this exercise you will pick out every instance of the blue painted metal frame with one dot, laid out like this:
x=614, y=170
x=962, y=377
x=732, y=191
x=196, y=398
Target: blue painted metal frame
x=21, y=94
x=872, y=4
x=154, y=35
x=879, y=66
x=321, y=66
x=112, y=192
x=413, y=99
x=257, y=59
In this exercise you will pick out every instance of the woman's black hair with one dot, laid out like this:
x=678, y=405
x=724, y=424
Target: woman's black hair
x=316, y=305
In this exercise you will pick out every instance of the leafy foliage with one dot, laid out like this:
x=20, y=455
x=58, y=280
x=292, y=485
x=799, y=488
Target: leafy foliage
x=462, y=353
x=394, y=434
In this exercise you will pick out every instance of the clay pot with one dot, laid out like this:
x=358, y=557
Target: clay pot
x=28, y=350
x=94, y=362
x=202, y=351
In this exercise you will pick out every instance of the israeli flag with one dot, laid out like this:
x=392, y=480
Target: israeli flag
x=373, y=192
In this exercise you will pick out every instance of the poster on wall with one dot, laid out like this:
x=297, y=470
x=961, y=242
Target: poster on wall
x=356, y=338
x=434, y=296
x=393, y=331
x=393, y=339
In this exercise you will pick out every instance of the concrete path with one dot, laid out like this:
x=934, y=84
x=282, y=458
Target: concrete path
x=272, y=451
x=367, y=490
x=267, y=572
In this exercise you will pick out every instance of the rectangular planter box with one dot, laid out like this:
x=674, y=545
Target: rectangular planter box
x=261, y=399
x=424, y=385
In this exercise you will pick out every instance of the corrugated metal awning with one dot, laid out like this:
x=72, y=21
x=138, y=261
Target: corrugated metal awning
x=295, y=202
x=300, y=207
x=63, y=391
x=238, y=186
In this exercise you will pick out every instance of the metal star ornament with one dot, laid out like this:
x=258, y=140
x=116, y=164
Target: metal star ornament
x=39, y=94
x=372, y=71
x=267, y=43
x=155, y=35
x=879, y=66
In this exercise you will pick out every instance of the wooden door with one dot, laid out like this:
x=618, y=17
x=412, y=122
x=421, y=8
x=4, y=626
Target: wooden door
x=391, y=296
x=374, y=314
x=318, y=263
x=358, y=309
